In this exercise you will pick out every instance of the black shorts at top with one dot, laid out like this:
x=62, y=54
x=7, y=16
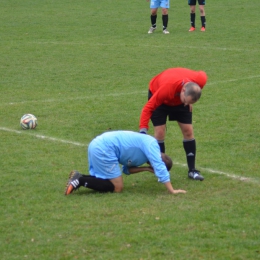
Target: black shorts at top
x=179, y=113
x=193, y=2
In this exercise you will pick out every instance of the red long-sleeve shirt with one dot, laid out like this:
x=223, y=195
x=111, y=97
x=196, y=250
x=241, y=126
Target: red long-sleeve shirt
x=166, y=88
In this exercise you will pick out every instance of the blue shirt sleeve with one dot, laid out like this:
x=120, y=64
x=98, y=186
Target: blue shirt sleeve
x=159, y=167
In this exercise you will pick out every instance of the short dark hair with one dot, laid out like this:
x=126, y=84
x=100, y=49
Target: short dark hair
x=193, y=90
x=167, y=160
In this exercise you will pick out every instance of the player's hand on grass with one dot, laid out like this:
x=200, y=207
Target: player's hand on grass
x=179, y=191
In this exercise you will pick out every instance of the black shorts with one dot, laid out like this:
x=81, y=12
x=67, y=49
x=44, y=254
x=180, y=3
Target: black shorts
x=193, y=2
x=179, y=113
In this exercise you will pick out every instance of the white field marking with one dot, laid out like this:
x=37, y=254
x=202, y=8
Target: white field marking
x=78, y=98
x=117, y=94
x=231, y=80
x=230, y=175
x=143, y=45
x=42, y=137
x=233, y=176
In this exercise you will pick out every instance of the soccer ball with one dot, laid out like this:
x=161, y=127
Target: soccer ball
x=28, y=121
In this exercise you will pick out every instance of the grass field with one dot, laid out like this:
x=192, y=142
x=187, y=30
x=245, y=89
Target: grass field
x=83, y=67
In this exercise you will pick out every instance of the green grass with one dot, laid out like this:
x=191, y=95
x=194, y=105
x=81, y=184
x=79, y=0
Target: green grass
x=83, y=67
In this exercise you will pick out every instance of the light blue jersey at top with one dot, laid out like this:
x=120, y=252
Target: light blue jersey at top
x=131, y=149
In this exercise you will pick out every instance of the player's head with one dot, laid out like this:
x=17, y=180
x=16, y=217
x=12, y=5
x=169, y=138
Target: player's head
x=167, y=160
x=190, y=93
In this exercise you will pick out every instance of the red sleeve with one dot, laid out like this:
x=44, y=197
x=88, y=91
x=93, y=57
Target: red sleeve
x=147, y=111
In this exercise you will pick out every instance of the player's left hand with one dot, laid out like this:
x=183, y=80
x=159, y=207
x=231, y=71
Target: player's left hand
x=179, y=191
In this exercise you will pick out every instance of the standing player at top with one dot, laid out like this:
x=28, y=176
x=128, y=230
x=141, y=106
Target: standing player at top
x=192, y=4
x=171, y=94
x=154, y=5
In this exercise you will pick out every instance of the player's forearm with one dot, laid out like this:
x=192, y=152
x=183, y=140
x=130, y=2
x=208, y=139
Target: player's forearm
x=169, y=187
x=145, y=117
x=133, y=170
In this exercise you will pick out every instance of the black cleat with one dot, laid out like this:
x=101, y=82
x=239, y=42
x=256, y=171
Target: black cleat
x=73, y=182
x=195, y=175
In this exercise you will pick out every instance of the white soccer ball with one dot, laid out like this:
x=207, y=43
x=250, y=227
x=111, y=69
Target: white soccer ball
x=28, y=121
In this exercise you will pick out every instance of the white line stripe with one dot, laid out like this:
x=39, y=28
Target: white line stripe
x=149, y=46
x=233, y=176
x=78, y=98
x=42, y=136
x=117, y=94
x=232, y=80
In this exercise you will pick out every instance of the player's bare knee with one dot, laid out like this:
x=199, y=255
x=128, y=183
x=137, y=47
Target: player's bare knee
x=164, y=11
x=193, y=9
x=118, y=184
x=188, y=134
x=154, y=12
x=118, y=188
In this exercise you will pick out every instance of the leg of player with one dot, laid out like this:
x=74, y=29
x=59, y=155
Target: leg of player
x=97, y=184
x=165, y=20
x=153, y=20
x=118, y=183
x=77, y=180
x=189, y=144
x=159, y=134
x=192, y=17
x=203, y=18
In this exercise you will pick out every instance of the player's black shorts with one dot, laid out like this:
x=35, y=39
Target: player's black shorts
x=179, y=113
x=193, y=2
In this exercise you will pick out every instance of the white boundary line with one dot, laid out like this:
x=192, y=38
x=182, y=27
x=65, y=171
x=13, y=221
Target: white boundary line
x=116, y=94
x=76, y=98
x=231, y=80
x=230, y=175
x=145, y=46
x=42, y=137
x=233, y=176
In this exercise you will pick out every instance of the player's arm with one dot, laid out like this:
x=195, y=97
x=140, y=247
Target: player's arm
x=133, y=170
x=160, y=169
x=147, y=111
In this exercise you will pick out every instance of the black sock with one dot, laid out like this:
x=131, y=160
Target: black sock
x=97, y=184
x=165, y=21
x=190, y=149
x=192, y=19
x=203, y=21
x=162, y=146
x=153, y=20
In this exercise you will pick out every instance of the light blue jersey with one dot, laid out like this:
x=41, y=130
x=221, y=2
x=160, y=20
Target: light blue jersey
x=159, y=3
x=130, y=149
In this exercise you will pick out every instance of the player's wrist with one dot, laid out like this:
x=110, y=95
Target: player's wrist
x=143, y=130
